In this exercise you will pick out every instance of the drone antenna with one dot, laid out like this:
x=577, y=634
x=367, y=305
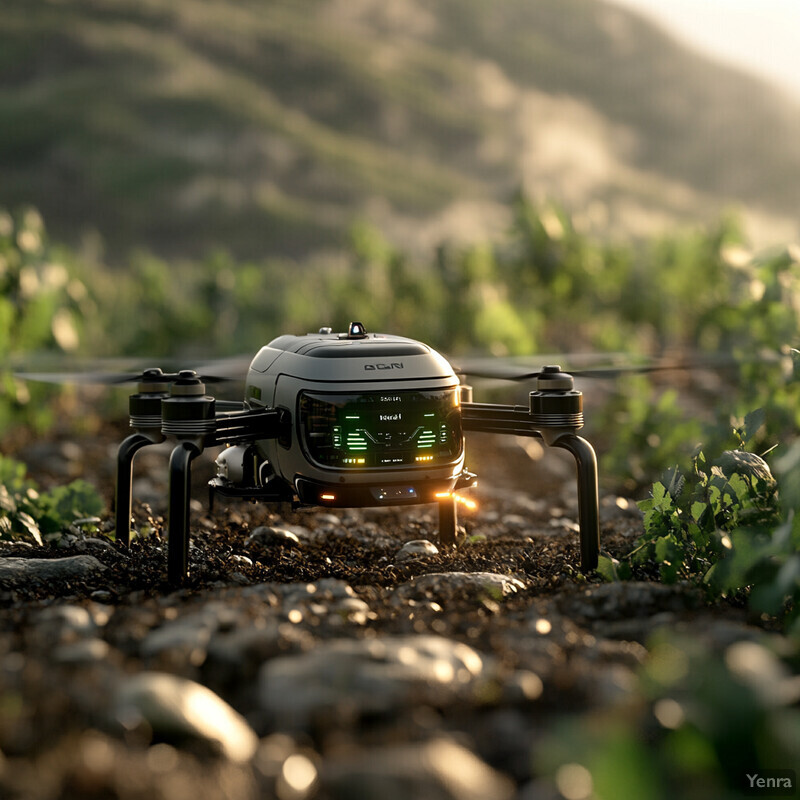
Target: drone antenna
x=356, y=331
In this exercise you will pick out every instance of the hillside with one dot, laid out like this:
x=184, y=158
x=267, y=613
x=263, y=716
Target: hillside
x=266, y=128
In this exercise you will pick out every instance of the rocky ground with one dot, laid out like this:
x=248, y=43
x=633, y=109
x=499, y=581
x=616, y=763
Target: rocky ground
x=320, y=655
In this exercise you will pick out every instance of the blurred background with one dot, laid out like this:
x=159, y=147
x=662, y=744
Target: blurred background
x=183, y=181
x=188, y=180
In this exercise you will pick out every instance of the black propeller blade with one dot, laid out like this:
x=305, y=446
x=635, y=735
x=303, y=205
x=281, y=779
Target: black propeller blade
x=714, y=362
x=153, y=376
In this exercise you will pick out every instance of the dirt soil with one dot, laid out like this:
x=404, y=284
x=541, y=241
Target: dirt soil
x=318, y=654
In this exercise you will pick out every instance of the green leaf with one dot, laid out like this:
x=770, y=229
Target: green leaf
x=28, y=526
x=669, y=573
x=607, y=569
x=669, y=551
x=697, y=510
x=753, y=422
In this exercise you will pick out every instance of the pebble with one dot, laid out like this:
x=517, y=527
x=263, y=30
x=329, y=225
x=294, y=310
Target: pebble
x=177, y=708
x=327, y=519
x=415, y=549
x=85, y=651
x=443, y=586
x=626, y=599
x=187, y=637
x=515, y=522
x=265, y=536
x=16, y=571
x=65, y=622
x=744, y=463
x=367, y=676
x=439, y=769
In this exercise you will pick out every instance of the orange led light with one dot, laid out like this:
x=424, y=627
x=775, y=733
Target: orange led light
x=327, y=497
x=466, y=502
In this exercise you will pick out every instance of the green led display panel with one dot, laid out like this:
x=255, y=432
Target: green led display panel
x=381, y=429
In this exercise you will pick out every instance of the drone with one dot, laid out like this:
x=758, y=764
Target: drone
x=342, y=420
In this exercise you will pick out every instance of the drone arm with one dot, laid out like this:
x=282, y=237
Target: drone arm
x=491, y=418
x=238, y=427
x=520, y=421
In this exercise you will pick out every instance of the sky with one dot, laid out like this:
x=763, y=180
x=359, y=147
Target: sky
x=762, y=36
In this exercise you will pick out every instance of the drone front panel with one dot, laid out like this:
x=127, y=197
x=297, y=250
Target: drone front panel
x=374, y=430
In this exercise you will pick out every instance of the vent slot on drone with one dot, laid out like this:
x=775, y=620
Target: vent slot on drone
x=366, y=350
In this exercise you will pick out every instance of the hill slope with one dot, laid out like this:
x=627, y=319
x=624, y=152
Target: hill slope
x=265, y=128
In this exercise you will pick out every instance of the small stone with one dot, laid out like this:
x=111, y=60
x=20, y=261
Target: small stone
x=440, y=769
x=85, y=651
x=353, y=609
x=368, y=677
x=187, y=637
x=64, y=621
x=748, y=464
x=327, y=519
x=442, y=586
x=239, y=578
x=265, y=536
x=176, y=708
x=515, y=521
x=415, y=549
x=629, y=599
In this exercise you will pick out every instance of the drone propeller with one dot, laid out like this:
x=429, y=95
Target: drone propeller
x=153, y=375
x=716, y=362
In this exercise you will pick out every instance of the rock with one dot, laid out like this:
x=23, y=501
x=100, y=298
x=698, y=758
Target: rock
x=327, y=519
x=416, y=548
x=515, y=522
x=85, y=651
x=439, y=769
x=182, y=640
x=443, y=586
x=747, y=464
x=177, y=708
x=65, y=622
x=352, y=609
x=186, y=638
x=264, y=536
x=18, y=571
x=374, y=676
x=235, y=656
x=322, y=590
x=629, y=599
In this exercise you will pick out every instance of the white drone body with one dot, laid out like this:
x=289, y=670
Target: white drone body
x=371, y=419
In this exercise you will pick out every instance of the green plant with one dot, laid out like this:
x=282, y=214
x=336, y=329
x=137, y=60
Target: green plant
x=764, y=561
x=41, y=306
x=729, y=525
x=31, y=515
x=695, y=722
